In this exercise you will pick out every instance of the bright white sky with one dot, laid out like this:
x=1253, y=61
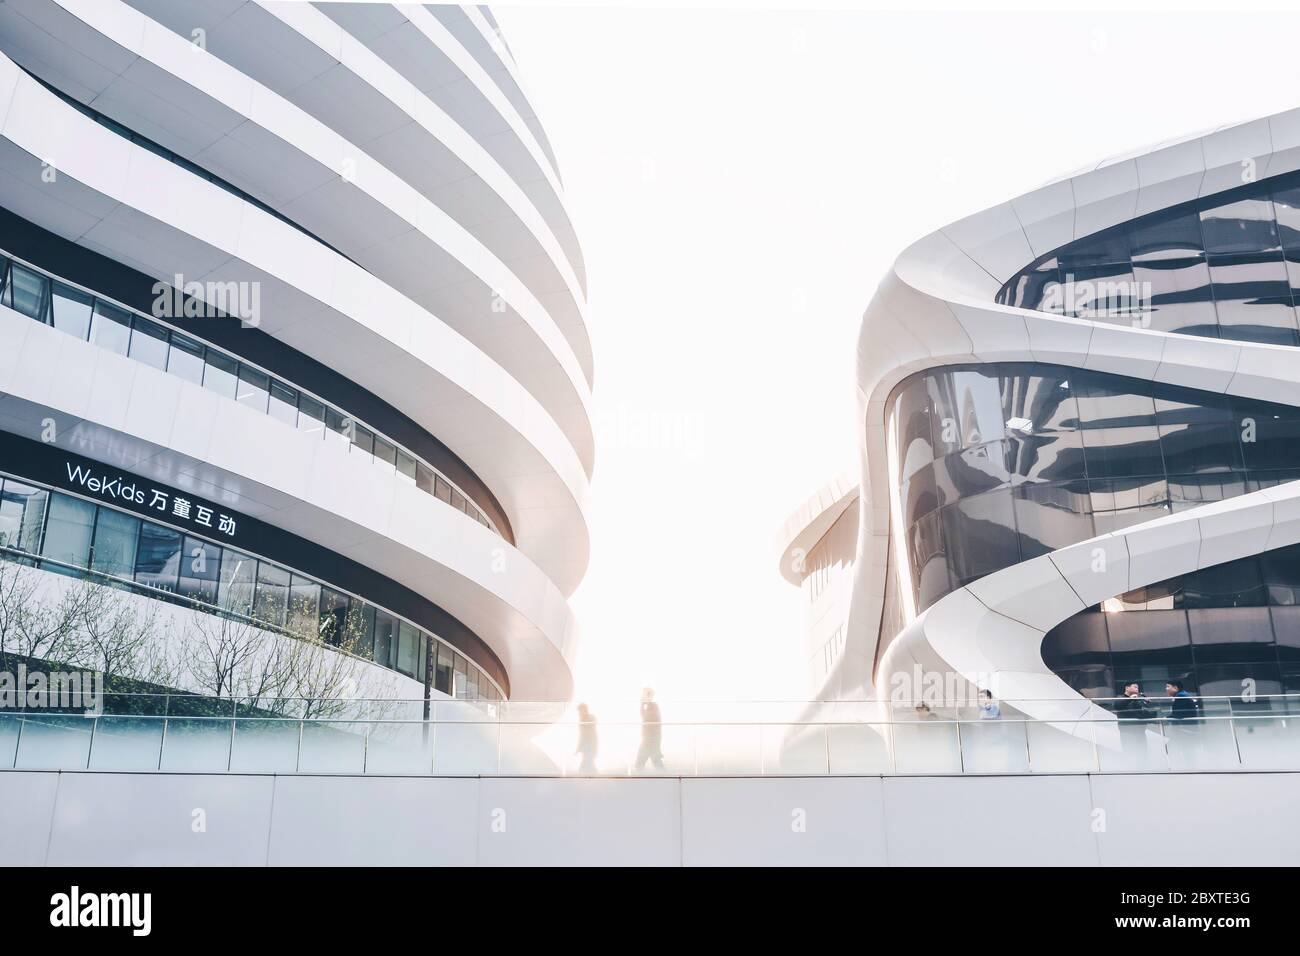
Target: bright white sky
x=740, y=181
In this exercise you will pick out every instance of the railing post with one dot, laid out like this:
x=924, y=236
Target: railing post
x=365, y=748
x=230, y=751
x=18, y=740
x=162, y=742
x=1029, y=755
x=297, y=757
x=826, y=736
x=1232, y=726
x=961, y=751
x=90, y=749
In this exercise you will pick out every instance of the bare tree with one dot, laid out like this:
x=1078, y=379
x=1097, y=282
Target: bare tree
x=33, y=624
x=218, y=652
x=116, y=634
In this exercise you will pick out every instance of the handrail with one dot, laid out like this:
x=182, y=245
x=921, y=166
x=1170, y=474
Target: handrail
x=513, y=747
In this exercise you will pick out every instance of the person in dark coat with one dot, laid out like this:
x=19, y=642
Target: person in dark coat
x=1134, y=705
x=1184, y=705
x=651, y=749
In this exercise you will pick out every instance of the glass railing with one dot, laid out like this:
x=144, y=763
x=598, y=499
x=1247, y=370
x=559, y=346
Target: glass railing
x=47, y=299
x=483, y=739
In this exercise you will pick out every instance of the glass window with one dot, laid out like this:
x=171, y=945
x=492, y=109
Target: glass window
x=361, y=629
x=1052, y=516
x=284, y=403
x=363, y=439
x=1123, y=452
x=271, y=601
x=441, y=489
x=311, y=414
x=1149, y=637
x=1191, y=449
x=981, y=535
x=423, y=478
x=1232, y=584
x=200, y=570
x=186, y=358
x=931, y=578
x=116, y=535
x=385, y=638
x=1229, y=680
x=334, y=617
x=110, y=327
x=1222, y=634
x=304, y=607
x=148, y=343
x=72, y=310
x=158, y=557
x=457, y=500
x=912, y=418
x=1286, y=632
x=339, y=427
x=1280, y=571
x=22, y=515
x=385, y=451
x=238, y=573
x=966, y=409
x=1054, y=456
x=459, y=677
x=443, y=668
x=1076, y=641
x=1122, y=502
x=405, y=465
x=27, y=292
x=68, y=530
x=408, y=648
x=253, y=389
x=220, y=374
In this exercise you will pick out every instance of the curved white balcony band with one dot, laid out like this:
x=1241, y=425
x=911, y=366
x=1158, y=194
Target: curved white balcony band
x=214, y=113
x=140, y=419
x=504, y=62
x=370, y=70
x=936, y=307
x=140, y=209
x=526, y=132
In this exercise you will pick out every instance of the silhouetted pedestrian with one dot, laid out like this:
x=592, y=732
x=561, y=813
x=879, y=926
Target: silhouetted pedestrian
x=651, y=733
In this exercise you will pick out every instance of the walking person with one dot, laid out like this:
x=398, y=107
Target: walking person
x=651, y=733
x=587, y=744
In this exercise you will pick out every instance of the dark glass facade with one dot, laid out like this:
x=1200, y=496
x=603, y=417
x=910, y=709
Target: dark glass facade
x=996, y=464
x=1227, y=630
x=1225, y=266
x=45, y=528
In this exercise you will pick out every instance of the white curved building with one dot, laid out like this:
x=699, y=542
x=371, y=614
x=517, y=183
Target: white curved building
x=1079, y=417
x=300, y=277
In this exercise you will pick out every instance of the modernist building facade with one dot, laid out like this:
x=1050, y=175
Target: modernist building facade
x=292, y=335
x=1078, y=448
